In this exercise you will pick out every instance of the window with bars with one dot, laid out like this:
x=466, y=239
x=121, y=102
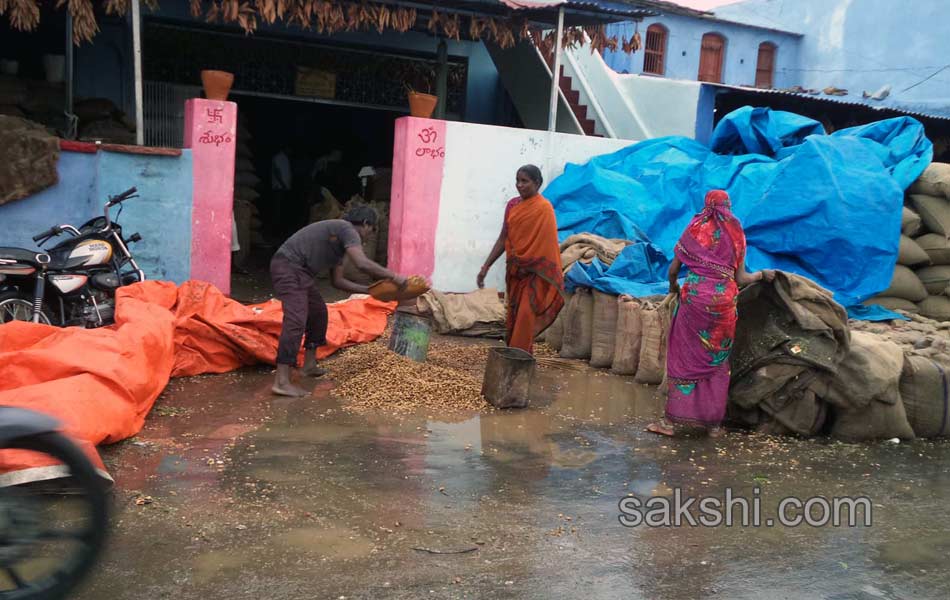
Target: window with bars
x=654, y=56
x=710, y=58
x=765, y=65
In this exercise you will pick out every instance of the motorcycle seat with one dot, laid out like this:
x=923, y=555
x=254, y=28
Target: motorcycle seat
x=24, y=256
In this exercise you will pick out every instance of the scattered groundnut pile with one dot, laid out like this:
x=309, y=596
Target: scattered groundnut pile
x=543, y=350
x=465, y=358
x=919, y=336
x=369, y=377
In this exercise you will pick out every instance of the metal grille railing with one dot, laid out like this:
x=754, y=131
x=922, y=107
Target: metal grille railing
x=272, y=66
x=164, y=112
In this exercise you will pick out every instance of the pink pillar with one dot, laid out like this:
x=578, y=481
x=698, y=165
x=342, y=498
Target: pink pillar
x=418, y=164
x=211, y=134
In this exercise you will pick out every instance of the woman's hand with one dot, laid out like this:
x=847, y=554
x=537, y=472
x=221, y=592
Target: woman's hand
x=674, y=287
x=768, y=275
x=480, y=280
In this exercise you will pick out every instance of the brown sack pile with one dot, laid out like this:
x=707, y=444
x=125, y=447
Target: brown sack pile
x=922, y=274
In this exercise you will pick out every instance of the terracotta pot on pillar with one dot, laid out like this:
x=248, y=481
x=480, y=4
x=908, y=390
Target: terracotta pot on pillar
x=217, y=84
x=422, y=105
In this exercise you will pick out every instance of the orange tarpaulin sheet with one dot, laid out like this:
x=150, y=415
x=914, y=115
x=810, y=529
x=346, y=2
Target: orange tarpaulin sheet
x=101, y=383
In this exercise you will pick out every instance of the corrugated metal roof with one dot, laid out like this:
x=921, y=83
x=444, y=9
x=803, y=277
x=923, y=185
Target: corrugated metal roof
x=941, y=113
x=599, y=10
x=617, y=8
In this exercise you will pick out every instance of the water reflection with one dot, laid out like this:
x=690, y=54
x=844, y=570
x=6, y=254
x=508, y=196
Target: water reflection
x=535, y=490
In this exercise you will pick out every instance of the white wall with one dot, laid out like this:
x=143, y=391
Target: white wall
x=666, y=107
x=479, y=179
x=633, y=106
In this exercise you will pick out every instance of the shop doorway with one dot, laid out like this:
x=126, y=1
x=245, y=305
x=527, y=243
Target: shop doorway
x=300, y=162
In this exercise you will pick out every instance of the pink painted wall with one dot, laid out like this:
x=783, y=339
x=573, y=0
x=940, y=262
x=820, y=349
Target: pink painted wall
x=418, y=164
x=211, y=133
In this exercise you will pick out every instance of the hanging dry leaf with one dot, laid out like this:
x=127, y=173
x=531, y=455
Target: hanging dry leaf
x=525, y=29
x=84, y=19
x=352, y=16
x=434, y=22
x=117, y=7
x=452, y=27
x=492, y=27
x=267, y=9
x=385, y=18
x=337, y=20
x=24, y=14
x=475, y=28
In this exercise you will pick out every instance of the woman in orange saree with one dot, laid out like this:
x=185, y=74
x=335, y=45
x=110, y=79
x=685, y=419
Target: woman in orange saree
x=534, y=280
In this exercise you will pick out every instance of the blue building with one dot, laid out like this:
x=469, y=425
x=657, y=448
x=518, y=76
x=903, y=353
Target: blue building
x=843, y=62
x=894, y=52
x=687, y=44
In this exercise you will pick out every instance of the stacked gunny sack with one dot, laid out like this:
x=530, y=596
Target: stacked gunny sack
x=799, y=367
x=246, y=214
x=620, y=333
x=922, y=275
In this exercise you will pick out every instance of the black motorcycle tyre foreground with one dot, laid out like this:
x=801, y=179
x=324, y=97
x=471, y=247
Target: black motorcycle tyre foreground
x=26, y=301
x=83, y=477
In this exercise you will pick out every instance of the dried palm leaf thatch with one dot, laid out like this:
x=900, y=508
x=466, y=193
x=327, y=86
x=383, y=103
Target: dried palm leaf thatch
x=330, y=16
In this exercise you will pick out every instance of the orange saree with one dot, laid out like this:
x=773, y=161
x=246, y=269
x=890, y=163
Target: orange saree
x=534, y=279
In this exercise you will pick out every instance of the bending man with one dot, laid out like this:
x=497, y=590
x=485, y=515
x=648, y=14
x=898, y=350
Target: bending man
x=316, y=248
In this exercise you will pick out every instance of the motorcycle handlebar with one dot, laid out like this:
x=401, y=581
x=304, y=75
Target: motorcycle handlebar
x=47, y=234
x=123, y=196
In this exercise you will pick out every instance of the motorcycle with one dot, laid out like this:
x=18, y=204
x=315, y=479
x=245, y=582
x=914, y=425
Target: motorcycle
x=74, y=282
x=50, y=537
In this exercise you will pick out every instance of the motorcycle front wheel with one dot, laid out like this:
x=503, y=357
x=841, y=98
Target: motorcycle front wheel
x=15, y=306
x=51, y=533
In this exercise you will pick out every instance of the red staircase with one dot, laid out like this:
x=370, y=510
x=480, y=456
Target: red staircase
x=573, y=97
x=574, y=100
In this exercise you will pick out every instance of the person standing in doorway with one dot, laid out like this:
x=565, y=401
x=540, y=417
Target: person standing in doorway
x=316, y=248
x=281, y=185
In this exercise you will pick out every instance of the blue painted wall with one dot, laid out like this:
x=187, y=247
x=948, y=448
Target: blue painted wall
x=162, y=213
x=863, y=45
x=104, y=67
x=683, y=48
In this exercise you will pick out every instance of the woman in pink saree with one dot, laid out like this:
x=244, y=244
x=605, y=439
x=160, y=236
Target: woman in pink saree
x=704, y=319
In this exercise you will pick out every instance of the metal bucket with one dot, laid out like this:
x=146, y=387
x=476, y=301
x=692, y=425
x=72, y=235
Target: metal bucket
x=410, y=336
x=508, y=377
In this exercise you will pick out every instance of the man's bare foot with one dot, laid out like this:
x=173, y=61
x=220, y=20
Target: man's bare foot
x=661, y=428
x=313, y=370
x=289, y=389
x=715, y=432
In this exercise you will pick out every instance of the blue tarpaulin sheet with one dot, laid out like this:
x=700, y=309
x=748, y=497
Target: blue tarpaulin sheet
x=827, y=207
